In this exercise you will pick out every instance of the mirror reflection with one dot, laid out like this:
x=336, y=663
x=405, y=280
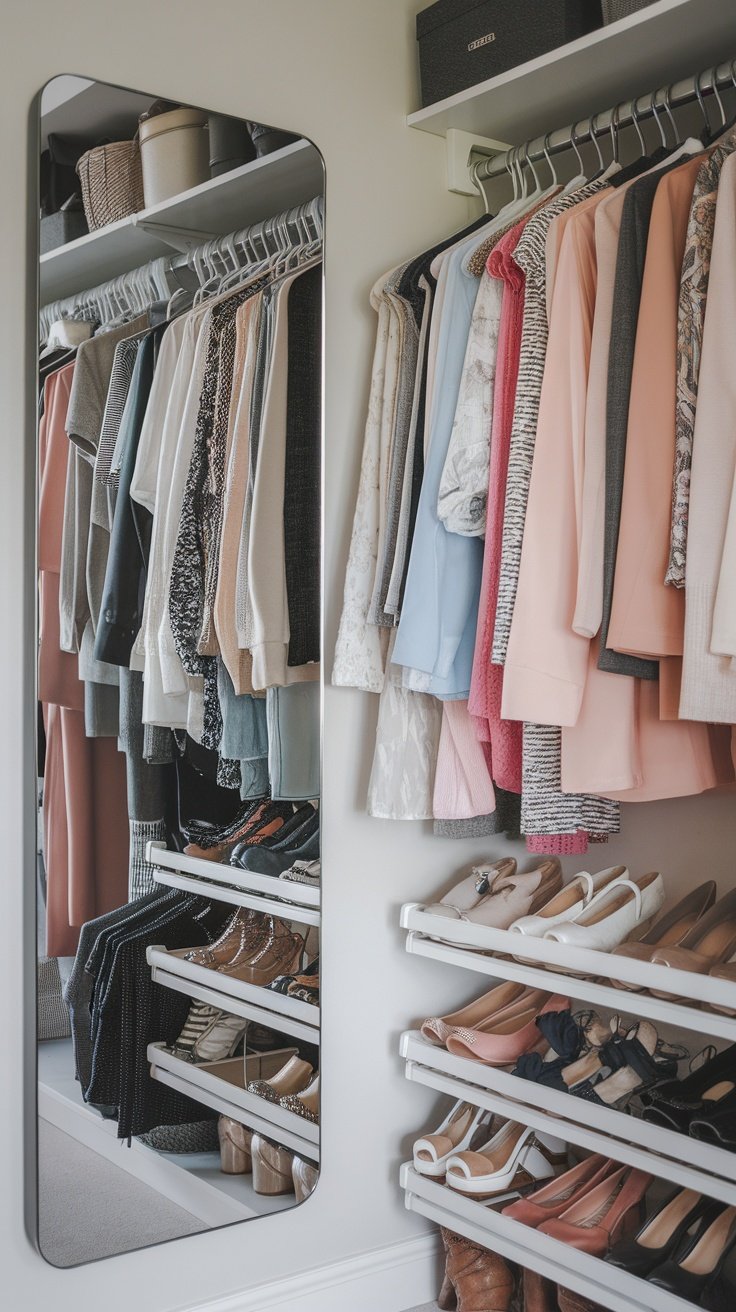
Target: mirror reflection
x=178, y=732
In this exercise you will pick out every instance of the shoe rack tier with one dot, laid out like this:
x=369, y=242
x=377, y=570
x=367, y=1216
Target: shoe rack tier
x=243, y=888
x=589, y=1276
x=582, y=973
x=277, y=1010
x=634, y=1142
x=226, y=1094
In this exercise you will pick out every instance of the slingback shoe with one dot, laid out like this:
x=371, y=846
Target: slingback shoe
x=468, y=892
x=235, y=1158
x=711, y=942
x=517, y=895
x=514, y=1159
x=572, y=1040
x=503, y=1045
x=272, y=1167
x=293, y=1077
x=695, y=1273
x=305, y=1103
x=279, y=953
x=604, y=1215
x=662, y=1233
x=616, y=913
x=669, y=930
x=569, y=903
x=459, y=1131
x=439, y=1028
x=554, y=1198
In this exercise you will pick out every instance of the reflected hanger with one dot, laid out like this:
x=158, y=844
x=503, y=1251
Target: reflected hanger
x=548, y=157
x=635, y=121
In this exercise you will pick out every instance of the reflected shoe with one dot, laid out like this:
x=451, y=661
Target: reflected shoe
x=263, y=821
x=303, y=872
x=279, y=952
x=300, y=825
x=463, y=1128
x=304, y=1176
x=516, y=1033
x=245, y=930
x=293, y=1077
x=711, y=942
x=554, y=1198
x=569, y=903
x=304, y=1104
x=305, y=988
x=235, y=1158
x=439, y=1028
x=468, y=892
x=604, y=1215
x=669, y=931
x=616, y=913
x=517, y=895
x=695, y=1274
x=276, y=860
x=272, y=1167
x=515, y=1158
x=662, y=1233
x=208, y=1034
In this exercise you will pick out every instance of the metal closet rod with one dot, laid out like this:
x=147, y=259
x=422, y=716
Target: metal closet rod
x=620, y=116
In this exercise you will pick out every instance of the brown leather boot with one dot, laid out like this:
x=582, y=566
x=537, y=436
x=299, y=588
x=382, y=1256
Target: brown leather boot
x=279, y=952
x=569, y=1301
x=245, y=930
x=540, y=1295
x=447, y=1299
x=483, y=1281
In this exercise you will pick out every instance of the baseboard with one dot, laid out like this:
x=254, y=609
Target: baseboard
x=391, y=1279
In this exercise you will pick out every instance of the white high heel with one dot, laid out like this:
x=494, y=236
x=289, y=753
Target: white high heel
x=514, y=1159
x=459, y=1130
x=570, y=902
x=620, y=911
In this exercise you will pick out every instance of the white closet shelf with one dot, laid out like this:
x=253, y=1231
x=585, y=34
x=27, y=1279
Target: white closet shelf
x=668, y=40
x=231, y=1099
x=283, y=894
x=266, y=186
x=472, y=944
x=285, y=1014
x=578, y=1271
x=686, y=1162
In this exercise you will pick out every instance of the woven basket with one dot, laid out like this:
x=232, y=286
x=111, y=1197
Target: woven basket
x=112, y=182
x=615, y=9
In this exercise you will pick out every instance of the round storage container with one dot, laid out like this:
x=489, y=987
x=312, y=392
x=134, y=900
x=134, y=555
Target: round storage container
x=174, y=153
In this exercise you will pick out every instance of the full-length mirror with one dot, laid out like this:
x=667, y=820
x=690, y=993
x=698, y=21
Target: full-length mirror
x=178, y=728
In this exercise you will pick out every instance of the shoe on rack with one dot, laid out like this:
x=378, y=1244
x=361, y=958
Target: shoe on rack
x=272, y=1167
x=263, y=821
x=618, y=912
x=278, y=953
x=293, y=1077
x=516, y=896
x=243, y=931
x=514, y=1159
x=305, y=1103
x=570, y=1039
x=305, y=988
x=235, y=1158
x=475, y=1278
x=439, y=1028
x=717, y=1126
x=515, y=1033
x=604, y=1215
x=463, y=1127
x=208, y=1034
x=304, y=1177
x=711, y=942
x=695, y=1273
x=677, y=1103
x=554, y=1198
x=638, y=1060
x=303, y=872
x=669, y=930
x=302, y=844
x=569, y=903
x=662, y=1233
x=472, y=887
x=298, y=826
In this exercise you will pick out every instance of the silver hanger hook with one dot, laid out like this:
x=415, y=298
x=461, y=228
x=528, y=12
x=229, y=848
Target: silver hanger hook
x=635, y=121
x=655, y=115
x=701, y=102
x=733, y=72
x=668, y=107
x=530, y=163
x=574, y=144
x=592, y=131
x=717, y=94
x=548, y=158
x=613, y=129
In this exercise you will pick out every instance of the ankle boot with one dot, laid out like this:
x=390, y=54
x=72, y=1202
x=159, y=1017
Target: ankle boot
x=540, y=1295
x=243, y=932
x=272, y=1173
x=483, y=1282
x=235, y=1158
x=447, y=1299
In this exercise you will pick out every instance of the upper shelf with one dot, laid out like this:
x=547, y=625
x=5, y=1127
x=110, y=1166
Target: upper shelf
x=669, y=40
x=246, y=195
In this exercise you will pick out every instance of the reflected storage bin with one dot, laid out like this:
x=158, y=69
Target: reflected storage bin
x=463, y=42
x=175, y=153
x=615, y=9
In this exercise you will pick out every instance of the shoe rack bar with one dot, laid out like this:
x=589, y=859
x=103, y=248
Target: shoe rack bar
x=686, y=1162
x=247, y=881
x=583, y=962
x=589, y=1276
x=284, y=1024
x=278, y=1006
x=220, y=1100
x=254, y=902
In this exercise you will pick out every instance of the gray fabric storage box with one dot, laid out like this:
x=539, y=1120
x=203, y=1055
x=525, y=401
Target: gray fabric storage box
x=615, y=9
x=462, y=42
x=57, y=229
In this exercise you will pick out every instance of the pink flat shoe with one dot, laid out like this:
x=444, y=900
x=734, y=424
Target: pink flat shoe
x=515, y=1034
x=439, y=1028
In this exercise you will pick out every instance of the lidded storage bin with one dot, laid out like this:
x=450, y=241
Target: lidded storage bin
x=174, y=153
x=462, y=42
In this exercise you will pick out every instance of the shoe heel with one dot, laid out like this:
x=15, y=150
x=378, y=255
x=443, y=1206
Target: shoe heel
x=235, y=1140
x=304, y=1177
x=272, y=1168
x=447, y=1298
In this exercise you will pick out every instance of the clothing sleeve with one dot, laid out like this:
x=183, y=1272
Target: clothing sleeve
x=463, y=494
x=546, y=663
x=723, y=636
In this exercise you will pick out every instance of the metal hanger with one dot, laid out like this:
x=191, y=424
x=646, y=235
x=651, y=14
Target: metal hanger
x=717, y=94
x=655, y=115
x=701, y=102
x=635, y=121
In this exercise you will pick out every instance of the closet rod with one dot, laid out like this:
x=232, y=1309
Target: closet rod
x=620, y=116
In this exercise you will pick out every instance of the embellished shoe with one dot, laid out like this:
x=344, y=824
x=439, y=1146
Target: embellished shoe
x=292, y=1078
x=243, y=931
x=439, y=1028
x=279, y=952
x=305, y=1104
x=516, y=1033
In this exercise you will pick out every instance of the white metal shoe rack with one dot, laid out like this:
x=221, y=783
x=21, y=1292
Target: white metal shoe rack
x=296, y=903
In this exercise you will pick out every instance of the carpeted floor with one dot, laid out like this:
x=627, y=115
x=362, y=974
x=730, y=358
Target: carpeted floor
x=89, y=1208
